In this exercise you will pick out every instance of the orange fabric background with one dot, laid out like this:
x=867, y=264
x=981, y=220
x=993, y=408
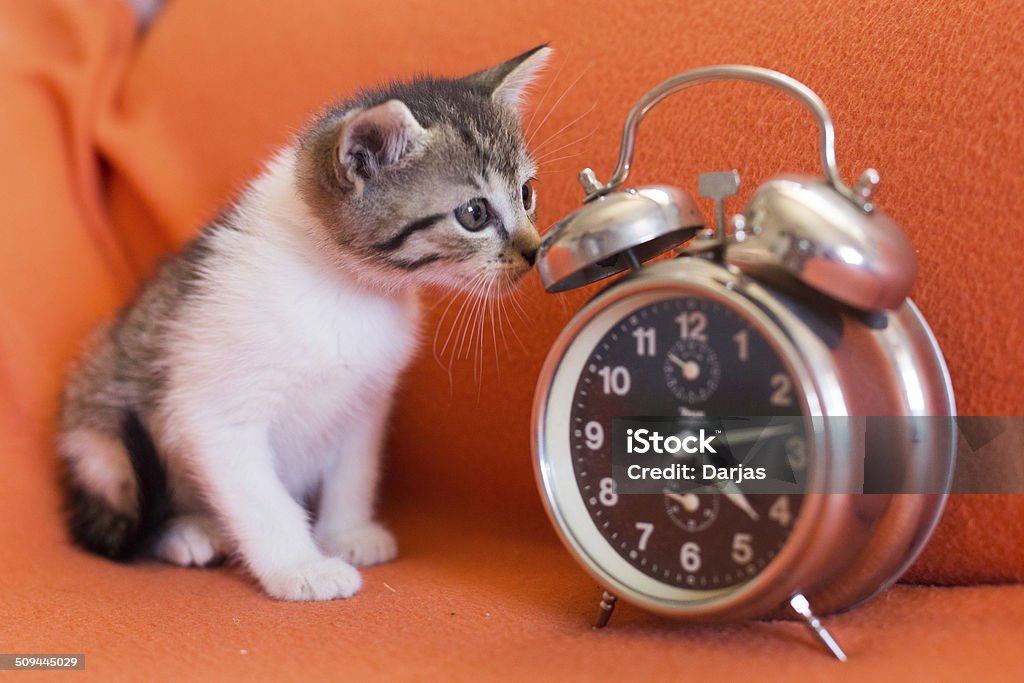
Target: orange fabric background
x=116, y=150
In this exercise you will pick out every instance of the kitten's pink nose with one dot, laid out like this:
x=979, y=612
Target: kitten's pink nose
x=530, y=254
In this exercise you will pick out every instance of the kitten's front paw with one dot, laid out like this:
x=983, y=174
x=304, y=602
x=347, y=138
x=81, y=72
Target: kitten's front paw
x=362, y=545
x=326, y=578
x=191, y=541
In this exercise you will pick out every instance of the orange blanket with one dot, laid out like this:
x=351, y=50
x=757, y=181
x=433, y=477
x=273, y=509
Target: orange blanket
x=116, y=148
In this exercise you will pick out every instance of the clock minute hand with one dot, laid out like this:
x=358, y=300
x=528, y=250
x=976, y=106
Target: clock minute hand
x=734, y=495
x=737, y=436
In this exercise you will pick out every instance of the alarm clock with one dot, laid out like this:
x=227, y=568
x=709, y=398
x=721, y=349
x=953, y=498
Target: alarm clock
x=796, y=309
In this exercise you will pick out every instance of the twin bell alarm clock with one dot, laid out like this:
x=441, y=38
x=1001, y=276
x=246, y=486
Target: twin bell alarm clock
x=702, y=428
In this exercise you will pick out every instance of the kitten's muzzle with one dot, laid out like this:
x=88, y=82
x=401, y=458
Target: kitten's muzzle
x=527, y=242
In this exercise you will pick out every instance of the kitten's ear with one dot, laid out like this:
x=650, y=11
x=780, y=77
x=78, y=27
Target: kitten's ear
x=507, y=83
x=376, y=138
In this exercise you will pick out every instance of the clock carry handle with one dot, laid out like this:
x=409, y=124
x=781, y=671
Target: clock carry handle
x=734, y=72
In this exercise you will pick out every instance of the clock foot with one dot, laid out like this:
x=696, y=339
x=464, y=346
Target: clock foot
x=802, y=607
x=607, y=606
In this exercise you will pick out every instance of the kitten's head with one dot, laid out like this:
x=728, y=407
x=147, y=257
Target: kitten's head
x=429, y=181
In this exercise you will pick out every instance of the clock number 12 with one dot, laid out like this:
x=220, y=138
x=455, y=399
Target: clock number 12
x=693, y=325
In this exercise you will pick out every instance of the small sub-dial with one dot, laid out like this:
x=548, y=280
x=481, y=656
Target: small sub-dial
x=691, y=370
x=690, y=511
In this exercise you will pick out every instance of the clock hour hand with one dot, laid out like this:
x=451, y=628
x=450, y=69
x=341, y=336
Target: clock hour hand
x=689, y=501
x=677, y=360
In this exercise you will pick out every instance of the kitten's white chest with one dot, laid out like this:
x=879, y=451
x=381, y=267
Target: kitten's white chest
x=290, y=343
x=343, y=349
x=335, y=358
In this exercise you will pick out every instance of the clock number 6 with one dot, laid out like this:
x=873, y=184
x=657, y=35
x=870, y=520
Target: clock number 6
x=689, y=557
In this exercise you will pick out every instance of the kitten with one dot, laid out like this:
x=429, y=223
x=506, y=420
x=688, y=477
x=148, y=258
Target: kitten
x=255, y=373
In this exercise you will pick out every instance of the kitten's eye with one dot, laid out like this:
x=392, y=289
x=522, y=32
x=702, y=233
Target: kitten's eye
x=528, y=195
x=474, y=215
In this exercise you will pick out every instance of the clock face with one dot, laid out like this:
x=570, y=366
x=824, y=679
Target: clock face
x=677, y=357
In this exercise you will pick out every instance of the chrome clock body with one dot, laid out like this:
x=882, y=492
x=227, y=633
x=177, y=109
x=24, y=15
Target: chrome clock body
x=844, y=548
x=817, y=276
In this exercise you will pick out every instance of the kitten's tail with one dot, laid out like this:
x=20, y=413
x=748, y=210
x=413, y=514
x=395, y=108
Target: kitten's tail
x=117, y=497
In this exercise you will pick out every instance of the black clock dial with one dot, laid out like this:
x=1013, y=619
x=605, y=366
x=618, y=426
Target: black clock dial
x=685, y=356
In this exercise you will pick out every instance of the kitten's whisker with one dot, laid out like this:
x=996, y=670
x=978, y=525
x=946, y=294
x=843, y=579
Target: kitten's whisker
x=561, y=302
x=555, y=106
x=499, y=302
x=533, y=115
x=484, y=313
x=547, y=155
x=551, y=161
x=452, y=297
x=494, y=330
x=561, y=130
x=477, y=342
x=469, y=328
x=478, y=373
x=467, y=307
x=478, y=350
x=466, y=298
x=511, y=323
x=474, y=338
x=562, y=170
x=464, y=331
x=518, y=307
x=502, y=318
